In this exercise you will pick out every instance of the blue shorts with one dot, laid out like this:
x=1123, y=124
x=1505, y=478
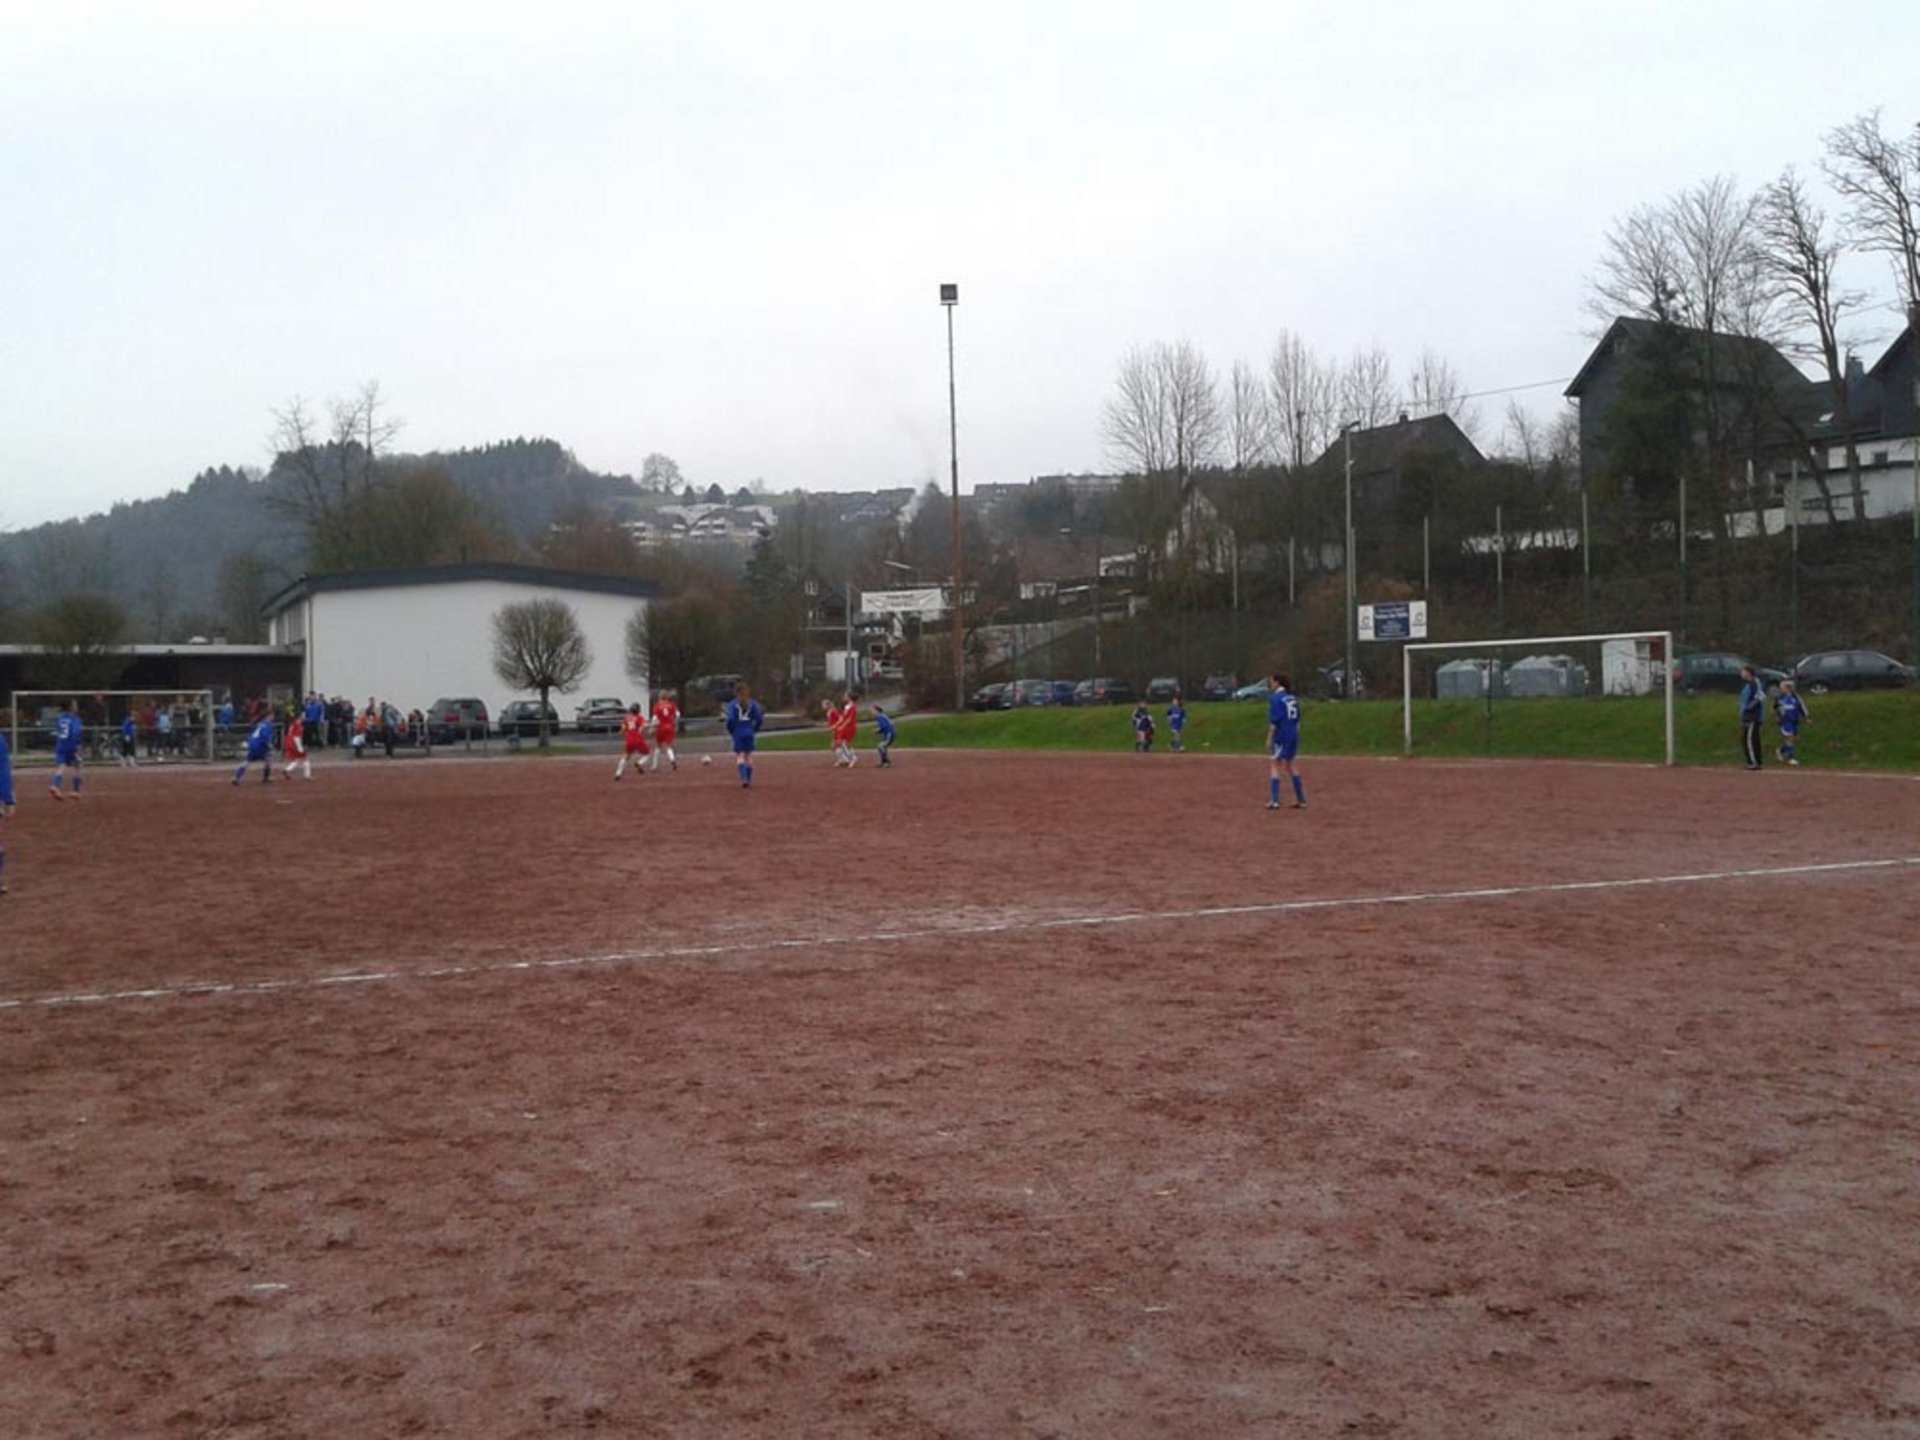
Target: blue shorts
x=743, y=744
x=256, y=752
x=66, y=755
x=1284, y=749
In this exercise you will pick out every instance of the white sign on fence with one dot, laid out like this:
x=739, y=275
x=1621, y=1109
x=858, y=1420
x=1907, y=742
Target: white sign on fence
x=928, y=601
x=1394, y=620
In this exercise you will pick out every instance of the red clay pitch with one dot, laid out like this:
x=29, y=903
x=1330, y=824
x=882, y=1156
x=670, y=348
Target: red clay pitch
x=496, y=1099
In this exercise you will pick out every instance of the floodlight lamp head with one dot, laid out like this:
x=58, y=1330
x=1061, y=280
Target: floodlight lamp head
x=949, y=294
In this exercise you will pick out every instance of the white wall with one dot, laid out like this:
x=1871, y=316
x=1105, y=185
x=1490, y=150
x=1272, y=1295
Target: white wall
x=414, y=644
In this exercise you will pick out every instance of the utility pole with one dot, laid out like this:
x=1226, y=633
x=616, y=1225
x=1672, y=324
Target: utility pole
x=950, y=297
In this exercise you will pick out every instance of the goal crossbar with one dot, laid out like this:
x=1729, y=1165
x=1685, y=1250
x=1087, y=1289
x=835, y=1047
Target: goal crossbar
x=1665, y=637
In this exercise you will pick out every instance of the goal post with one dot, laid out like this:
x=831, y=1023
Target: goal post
x=168, y=725
x=1628, y=662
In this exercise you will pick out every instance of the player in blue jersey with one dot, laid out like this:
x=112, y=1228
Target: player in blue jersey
x=1790, y=712
x=1753, y=715
x=883, y=727
x=259, y=750
x=68, y=732
x=1142, y=728
x=743, y=720
x=1176, y=724
x=1283, y=740
x=6, y=801
x=129, y=741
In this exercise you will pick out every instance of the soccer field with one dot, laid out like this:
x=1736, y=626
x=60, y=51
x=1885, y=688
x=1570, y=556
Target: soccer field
x=991, y=1095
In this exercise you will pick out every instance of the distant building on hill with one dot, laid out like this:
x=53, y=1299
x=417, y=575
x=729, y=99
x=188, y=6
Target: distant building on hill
x=703, y=523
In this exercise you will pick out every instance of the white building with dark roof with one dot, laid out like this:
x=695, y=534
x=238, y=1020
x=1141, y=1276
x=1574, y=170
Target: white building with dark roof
x=416, y=636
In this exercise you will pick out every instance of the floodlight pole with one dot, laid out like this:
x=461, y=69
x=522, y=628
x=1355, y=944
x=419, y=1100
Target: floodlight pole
x=1353, y=612
x=950, y=297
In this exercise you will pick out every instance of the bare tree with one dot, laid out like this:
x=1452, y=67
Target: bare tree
x=660, y=475
x=538, y=645
x=1435, y=388
x=78, y=636
x=162, y=596
x=1367, y=391
x=1165, y=416
x=1521, y=438
x=1639, y=268
x=1879, y=178
x=1249, y=419
x=671, y=641
x=1799, y=257
x=1135, y=421
x=244, y=585
x=1302, y=398
x=1723, y=290
x=332, y=469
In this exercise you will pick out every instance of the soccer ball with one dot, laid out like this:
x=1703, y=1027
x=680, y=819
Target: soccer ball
x=706, y=759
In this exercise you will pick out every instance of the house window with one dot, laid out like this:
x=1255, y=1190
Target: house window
x=1879, y=458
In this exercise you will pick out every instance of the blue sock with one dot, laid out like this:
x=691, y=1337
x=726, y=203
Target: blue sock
x=239, y=774
x=1299, y=793
x=58, y=781
x=1273, y=789
x=76, y=783
x=746, y=776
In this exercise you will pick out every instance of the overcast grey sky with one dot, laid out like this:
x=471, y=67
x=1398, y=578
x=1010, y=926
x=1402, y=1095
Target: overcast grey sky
x=717, y=230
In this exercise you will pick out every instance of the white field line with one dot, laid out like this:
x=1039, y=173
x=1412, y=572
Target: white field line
x=941, y=932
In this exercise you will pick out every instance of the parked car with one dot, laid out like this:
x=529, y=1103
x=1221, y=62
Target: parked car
x=1826, y=670
x=1718, y=670
x=1031, y=692
x=1103, y=691
x=991, y=697
x=451, y=720
x=1256, y=691
x=1162, y=688
x=1063, y=692
x=522, y=717
x=605, y=713
x=1219, y=687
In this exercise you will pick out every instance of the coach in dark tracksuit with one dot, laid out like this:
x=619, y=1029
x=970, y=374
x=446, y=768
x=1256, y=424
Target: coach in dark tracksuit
x=1753, y=715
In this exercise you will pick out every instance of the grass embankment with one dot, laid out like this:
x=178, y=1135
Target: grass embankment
x=1875, y=730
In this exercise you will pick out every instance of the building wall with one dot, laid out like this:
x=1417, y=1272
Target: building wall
x=1886, y=481
x=414, y=644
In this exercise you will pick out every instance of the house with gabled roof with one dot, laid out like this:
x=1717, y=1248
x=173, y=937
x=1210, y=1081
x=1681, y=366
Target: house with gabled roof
x=1885, y=402
x=1383, y=455
x=1742, y=371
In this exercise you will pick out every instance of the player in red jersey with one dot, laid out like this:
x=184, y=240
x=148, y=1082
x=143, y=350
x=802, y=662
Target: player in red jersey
x=633, y=738
x=666, y=725
x=294, y=747
x=844, y=722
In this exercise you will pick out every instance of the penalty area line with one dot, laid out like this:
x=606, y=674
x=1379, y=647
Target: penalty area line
x=910, y=934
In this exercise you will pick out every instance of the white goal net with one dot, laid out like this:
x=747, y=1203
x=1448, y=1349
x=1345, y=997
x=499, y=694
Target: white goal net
x=168, y=725
x=1455, y=685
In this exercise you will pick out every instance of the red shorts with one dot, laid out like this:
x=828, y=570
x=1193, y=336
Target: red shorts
x=637, y=745
x=665, y=737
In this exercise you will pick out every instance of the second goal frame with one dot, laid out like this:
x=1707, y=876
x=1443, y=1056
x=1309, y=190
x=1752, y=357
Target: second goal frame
x=1665, y=637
